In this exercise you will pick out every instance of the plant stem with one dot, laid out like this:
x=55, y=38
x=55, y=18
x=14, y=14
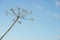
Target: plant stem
x=9, y=28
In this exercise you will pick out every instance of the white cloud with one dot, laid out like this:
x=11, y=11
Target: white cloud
x=39, y=7
x=55, y=15
x=58, y=37
x=57, y=2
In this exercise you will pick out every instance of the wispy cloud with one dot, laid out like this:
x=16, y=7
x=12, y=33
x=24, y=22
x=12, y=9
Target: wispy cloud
x=58, y=37
x=57, y=2
x=37, y=5
x=55, y=15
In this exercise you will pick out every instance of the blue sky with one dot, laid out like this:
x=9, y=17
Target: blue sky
x=46, y=24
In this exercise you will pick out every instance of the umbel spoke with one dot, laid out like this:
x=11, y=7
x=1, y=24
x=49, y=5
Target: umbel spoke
x=18, y=16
